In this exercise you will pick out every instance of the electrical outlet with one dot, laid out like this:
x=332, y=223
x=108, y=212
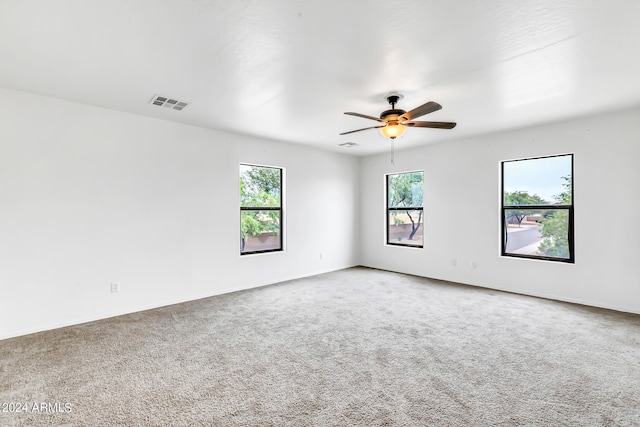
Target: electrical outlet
x=320, y=255
x=473, y=264
x=115, y=287
x=454, y=262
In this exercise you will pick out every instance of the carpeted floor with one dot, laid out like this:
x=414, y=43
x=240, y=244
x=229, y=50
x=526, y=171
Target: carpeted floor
x=356, y=347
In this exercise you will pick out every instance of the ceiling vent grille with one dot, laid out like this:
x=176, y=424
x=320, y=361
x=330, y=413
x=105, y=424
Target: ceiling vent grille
x=165, y=101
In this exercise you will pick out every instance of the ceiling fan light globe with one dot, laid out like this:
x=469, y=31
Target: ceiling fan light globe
x=393, y=131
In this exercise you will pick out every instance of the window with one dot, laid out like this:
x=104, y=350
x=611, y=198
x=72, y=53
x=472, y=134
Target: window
x=537, y=208
x=260, y=209
x=405, y=209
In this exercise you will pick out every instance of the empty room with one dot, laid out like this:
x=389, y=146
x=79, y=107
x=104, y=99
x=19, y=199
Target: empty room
x=337, y=213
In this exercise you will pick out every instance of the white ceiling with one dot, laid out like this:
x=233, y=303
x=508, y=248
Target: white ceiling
x=288, y=69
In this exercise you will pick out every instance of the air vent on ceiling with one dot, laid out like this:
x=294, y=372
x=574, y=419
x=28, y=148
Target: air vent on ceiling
x=348, y=144
x=164, y=101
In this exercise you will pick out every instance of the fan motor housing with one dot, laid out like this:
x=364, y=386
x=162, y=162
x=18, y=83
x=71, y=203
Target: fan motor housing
x=390, y=113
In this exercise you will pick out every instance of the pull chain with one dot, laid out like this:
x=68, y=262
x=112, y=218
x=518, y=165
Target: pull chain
x=393, y=152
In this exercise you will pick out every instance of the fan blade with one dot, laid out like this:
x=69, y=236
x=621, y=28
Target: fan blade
x=364, y=116
x=427, y=108
x=437, y=125
x=358, y=130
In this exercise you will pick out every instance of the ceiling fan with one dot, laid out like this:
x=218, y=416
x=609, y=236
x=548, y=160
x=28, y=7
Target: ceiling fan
x=394, y=122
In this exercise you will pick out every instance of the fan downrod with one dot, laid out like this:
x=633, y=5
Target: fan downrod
x=393, y=100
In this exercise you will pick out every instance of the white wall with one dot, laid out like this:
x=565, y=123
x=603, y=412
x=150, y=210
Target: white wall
x=462, y=211
x=91, y=196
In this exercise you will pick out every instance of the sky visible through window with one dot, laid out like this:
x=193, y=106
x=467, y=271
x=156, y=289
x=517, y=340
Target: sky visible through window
x=537, y=176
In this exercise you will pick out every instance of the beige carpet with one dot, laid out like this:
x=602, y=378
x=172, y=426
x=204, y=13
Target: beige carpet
x=357, y=347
